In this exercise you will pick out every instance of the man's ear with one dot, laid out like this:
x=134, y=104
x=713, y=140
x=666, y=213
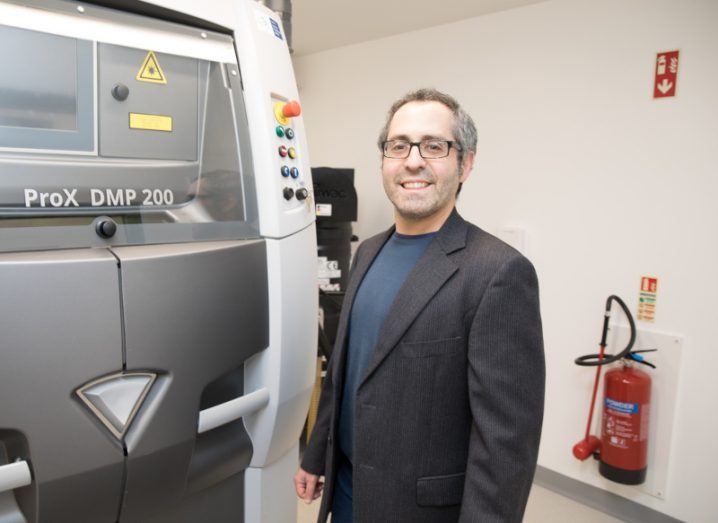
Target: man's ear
x=467, y=165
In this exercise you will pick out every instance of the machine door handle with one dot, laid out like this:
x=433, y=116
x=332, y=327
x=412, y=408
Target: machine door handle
x=224, y=413
x=14, y=475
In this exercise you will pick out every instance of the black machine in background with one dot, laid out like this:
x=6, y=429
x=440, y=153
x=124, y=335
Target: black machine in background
x=336, y=201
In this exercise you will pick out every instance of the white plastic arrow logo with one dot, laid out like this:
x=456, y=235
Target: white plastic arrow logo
x=665, y=86
x=116, y=399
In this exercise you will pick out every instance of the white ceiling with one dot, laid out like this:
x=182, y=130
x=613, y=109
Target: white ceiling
x=318, y=25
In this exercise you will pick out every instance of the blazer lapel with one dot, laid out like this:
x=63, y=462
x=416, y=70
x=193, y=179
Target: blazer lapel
x=424, y=281
x=370, y=250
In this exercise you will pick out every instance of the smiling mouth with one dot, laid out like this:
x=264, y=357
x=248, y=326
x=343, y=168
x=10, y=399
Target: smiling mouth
x=415, y=185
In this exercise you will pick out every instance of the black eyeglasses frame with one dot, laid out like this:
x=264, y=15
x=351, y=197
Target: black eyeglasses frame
x=450, y=143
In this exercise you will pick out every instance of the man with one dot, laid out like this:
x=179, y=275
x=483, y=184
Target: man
x=432, y=405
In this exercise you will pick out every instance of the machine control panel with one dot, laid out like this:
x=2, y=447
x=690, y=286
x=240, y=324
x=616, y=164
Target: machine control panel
x=288, y=153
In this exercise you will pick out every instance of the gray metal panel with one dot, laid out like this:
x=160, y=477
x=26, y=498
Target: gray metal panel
x=193, y=313
x=80, y=232
x=53, y=173
x=46, y=99
x=222, y=503
x=178, y=99
x=60, y=324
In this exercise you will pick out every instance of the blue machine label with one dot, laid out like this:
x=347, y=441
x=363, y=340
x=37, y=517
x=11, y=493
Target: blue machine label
x=619, y=406
x=275, y=28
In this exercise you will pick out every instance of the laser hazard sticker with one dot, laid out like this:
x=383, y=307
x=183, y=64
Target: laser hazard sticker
x=150, y=71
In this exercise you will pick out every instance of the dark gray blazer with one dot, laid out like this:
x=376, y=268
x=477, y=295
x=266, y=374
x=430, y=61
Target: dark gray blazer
x=448, y=414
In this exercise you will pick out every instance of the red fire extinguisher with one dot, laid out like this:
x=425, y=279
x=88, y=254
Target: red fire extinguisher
x=623, y=447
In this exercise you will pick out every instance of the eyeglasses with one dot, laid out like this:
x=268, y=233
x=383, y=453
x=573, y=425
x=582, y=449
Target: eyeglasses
x=428, y=149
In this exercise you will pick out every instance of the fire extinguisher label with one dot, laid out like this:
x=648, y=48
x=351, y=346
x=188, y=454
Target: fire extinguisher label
x=619, y=406
x=622, y=426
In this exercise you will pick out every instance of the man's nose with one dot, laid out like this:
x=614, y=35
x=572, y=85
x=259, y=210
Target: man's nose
x=414, y=160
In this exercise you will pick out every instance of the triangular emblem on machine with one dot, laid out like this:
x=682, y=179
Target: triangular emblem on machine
x=115, y=399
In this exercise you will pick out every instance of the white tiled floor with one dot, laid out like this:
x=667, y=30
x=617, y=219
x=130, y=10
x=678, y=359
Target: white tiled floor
x=544, y=505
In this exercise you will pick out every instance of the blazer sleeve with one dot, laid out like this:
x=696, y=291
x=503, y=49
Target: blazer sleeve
x=315, y=454
x=506, y=380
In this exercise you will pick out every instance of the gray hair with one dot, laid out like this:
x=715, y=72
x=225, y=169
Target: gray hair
x=464, y=127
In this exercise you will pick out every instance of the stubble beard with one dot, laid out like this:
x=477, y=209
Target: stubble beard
x=423, y=203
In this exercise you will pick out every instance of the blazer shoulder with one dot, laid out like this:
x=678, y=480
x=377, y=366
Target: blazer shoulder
x=489, y=251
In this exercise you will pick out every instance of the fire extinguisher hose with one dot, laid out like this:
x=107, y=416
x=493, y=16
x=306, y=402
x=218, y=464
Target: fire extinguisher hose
x=592, y=360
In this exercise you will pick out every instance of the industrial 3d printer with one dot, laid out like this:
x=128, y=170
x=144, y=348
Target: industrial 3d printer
x=157, y=263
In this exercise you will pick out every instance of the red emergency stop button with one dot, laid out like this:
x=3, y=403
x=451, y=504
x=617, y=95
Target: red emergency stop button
x=292, y=109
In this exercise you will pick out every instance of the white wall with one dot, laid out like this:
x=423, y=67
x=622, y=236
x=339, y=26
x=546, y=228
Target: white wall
x=608, y=183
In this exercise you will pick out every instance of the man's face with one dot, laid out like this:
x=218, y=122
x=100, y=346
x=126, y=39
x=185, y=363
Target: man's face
x=422, y=189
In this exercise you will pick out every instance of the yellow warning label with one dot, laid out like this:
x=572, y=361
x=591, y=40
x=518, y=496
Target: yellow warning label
x=151, y=70
x=150, y=122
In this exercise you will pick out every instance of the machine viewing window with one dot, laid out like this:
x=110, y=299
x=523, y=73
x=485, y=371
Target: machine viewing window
x=46, y=99
x=91, y=133
x=38, y=89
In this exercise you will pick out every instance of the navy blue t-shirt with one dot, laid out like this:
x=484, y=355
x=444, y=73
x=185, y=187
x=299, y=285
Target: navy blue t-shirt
x=373, y=299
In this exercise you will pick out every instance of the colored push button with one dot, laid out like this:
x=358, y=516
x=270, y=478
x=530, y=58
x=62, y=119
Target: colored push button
x=105, y=227
x=120, y=92
x=285, y=171
x=283, y=111
x=292, y=152
x=282, y=151
x=294, y=172
x=292, y=109
x=289, y=132
x=302, y=194
x=280, y=131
